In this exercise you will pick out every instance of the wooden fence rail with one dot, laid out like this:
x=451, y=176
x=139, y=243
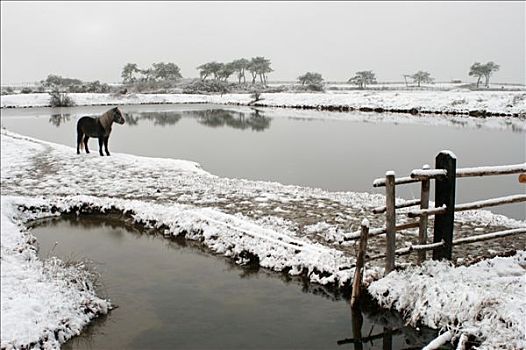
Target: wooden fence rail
x=407, y=204
x=353, y=236
x=492, y=170
x=444, y=175
x=488, y=236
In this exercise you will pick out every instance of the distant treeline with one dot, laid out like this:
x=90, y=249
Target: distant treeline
x=249, y=75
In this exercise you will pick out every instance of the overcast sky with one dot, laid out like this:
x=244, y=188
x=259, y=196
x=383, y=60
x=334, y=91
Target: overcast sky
x=93, y=40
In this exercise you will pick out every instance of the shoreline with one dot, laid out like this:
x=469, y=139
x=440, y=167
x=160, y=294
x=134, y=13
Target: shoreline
x=198, y=213
x=332, y=108
x=454, y=103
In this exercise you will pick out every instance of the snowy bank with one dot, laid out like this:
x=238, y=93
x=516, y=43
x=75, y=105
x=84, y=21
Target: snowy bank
x=44, y=303
x=292, y=229
x=456, y=101
x=486, y=300
x=232, y=236
x=32, y=167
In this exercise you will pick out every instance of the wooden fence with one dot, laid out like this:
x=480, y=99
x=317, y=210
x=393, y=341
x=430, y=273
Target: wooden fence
x=444, y=175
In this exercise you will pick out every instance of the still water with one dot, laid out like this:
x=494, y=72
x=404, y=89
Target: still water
x=260, y=144
x=174, y=296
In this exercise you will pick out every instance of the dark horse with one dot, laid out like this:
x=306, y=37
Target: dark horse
x=99, y=127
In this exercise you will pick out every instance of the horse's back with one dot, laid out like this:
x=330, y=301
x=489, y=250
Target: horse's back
x=86, y=120
x=87, y=125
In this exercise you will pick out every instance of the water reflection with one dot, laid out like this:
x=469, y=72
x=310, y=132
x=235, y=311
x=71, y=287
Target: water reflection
x=184, y=297
x=158, y=118
x=60, y=118
x=253, y=120
x=319, y=152
x=384, y=327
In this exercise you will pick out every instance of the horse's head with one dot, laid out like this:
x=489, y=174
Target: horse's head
x=118, y=116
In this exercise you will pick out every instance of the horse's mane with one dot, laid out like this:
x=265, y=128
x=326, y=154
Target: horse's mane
x=106, y=119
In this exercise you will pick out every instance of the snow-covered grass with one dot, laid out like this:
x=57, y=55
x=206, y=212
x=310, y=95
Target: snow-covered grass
x=401, y=85
x=459, y=101
x=233, y=236
x=486, y=300
x=43, y=303
x=426, y=86
x=290, y=229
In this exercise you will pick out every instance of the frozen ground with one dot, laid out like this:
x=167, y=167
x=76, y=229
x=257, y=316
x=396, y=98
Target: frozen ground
x=44, y=303
x=486, y=300
x=436, y=86
x=459, y=101
x=291, y=229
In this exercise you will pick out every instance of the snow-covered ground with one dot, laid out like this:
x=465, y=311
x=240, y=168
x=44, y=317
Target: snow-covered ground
x=486, y=300
x=284, y=228
x=426, y=86
x=400, y=85
x=44, y=303
x=459, y=101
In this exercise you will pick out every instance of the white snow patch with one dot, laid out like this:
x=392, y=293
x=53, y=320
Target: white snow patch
x=42, y=302
x=272, y=241
x=487, y=299
x=491, y=101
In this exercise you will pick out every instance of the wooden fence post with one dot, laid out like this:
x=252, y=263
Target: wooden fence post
x=357, y=323
x=422, y=223
x=445, y=195
x=387, y=339
x=360, y=263
x=390, y=221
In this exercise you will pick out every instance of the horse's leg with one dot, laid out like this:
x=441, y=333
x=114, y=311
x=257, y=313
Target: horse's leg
x=101, y=142
x=79, y=140
x=106, y=145
x=86, y=138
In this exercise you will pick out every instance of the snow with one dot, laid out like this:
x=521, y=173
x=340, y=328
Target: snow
x=430, y=86
x=487, y=299
x=439, y=341
x=510, y=102
x=491, y=169
x=42, y=302
x=448, y=153
x=291, y=229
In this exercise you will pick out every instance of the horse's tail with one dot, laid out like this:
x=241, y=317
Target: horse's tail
x=80, y=137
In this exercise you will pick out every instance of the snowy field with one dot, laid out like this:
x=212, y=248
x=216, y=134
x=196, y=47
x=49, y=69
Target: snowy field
x=400, y=85
x=291, y=229
x=458, y=101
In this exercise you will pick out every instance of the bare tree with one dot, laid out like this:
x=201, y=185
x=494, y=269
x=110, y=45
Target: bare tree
x=211, y=68
x=166, y=71
x=240, y=66
x=363, y=78
x=148, y=74
x=204, y=71
x=489, y=68
x=310, y=78
x=314, y=81
x=128, y=73
x=477, y=70
x=483, y=70
x=421, y=77
x=259, y=66
x=226, y=71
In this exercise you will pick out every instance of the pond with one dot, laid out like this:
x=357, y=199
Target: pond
x=172, y=294
x=267, y=144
